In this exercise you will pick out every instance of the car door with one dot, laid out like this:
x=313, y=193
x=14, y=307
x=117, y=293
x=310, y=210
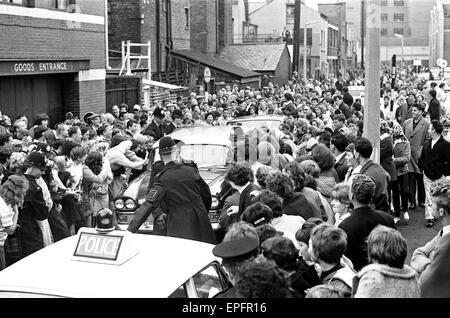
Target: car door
x=209, y=281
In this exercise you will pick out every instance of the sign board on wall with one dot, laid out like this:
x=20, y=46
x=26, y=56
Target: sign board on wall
x=27, y=67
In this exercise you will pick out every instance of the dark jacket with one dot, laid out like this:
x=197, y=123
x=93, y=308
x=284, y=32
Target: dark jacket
x=187, y=198
x=402, y=155
x=343, y=107
x=245, y=198
x=299, y=205
x=170, y=128
x=435, y=162
x=434, y=109
x=379, y=176
x=157, y=132
x=386, y=161
x=435, y=280
x=33, y=209
x=342, y=167
x=358, y=227
x=348, y=99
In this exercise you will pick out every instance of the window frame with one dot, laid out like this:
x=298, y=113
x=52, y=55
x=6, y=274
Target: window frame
x=402, y=15
x=397, y=29
x=187, y=17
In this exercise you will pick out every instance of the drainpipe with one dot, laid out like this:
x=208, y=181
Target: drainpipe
x=106, y=36
x=158, y=36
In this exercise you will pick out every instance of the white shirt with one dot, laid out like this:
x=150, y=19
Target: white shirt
x=338, y=218
x=433, y=142
x=243, y=188
x=338, y=157
x=446, y=230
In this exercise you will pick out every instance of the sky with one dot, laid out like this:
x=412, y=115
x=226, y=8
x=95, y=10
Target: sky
x=310, y=3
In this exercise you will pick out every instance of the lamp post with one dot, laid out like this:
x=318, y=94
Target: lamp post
x=304, y=49
x=401, y=37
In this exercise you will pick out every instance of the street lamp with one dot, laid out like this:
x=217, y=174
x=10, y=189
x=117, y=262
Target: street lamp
x=304, y=48
x=401, y=37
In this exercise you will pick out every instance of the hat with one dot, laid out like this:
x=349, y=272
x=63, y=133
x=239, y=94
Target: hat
x=158, y=112
x=166, y=145
x=311, y=143
x=177, y=113
x=236, y=250
x=36, y=160
x=87, y=116
x=137, y=107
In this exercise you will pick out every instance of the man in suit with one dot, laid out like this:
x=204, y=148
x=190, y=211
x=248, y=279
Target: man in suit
x=363, y=151
x=435, y=279
x=338, y=145
x=177, y=117
x=187, y=197
x=404, y=111
x=416, y=129
x=156, y=127
x=362, y=220
x=435, y=162
x=241, y=178
x=343, y=107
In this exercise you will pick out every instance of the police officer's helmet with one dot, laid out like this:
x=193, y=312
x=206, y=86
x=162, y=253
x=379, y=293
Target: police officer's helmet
x=166, y=145
x=104, y=221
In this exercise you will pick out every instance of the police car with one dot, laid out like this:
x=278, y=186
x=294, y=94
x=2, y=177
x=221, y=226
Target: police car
x=210, y=147
x=116, y=264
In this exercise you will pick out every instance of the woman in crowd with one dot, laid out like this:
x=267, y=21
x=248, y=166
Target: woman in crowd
x=387, y=276
x=340, y=202
x=12, y=195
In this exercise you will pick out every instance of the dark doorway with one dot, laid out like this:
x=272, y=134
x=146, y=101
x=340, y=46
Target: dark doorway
x=31, y=95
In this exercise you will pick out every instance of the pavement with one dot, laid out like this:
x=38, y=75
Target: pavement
x=415, y=232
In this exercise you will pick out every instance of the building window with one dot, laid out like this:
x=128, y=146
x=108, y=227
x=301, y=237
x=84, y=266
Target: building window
x=187, y=18
x=383, y=32
x=384, y=17
x=43, y=4
x=399, y=17
x=399, y=3
x=308, y=36
x=383, y=3
x=398, y=31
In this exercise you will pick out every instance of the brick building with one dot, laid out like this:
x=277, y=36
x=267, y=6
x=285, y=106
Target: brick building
x=52, y=57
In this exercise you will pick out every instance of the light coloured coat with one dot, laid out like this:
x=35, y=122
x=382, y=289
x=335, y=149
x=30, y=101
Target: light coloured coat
x=416, y=139
x=383, y=281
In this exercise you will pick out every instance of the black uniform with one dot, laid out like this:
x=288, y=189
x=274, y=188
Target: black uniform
x=34, y=208
x=157, y=132
x=187, y=198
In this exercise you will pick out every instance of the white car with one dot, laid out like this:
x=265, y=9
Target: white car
x=248, y=123
x=146, y=266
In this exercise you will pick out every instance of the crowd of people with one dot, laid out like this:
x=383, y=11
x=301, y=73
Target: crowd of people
x=307, y=211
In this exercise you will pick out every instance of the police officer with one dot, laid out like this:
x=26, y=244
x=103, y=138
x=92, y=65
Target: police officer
x=156, y=129
x=185, y=194
x=235, y=254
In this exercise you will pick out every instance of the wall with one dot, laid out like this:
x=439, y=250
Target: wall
x=225, y=23
x=124, y=22
x=238, y=19
x=204, y=27
x=35, y=33
x=284, y=68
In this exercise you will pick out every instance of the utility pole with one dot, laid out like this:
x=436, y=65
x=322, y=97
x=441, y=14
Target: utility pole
x=297, y=12
x=363, y=27
x=371, y=128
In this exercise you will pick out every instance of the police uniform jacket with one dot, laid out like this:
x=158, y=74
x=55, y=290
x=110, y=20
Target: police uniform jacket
x=157, y=132
x=34, y=208
x=187, y=198
x=170, y=128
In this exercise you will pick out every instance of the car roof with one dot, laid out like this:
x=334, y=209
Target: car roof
x=210, y=135
x=256, y=118
x=161, y=266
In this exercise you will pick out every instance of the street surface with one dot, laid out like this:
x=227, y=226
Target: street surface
x=415, y=232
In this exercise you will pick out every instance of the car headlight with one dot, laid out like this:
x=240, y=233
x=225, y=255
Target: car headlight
x=130, y=204
x=119, y=204
x=215, y=203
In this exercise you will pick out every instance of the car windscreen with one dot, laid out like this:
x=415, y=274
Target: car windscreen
x=252, y=124
x=206, y=155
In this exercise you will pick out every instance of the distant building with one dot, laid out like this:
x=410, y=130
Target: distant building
x=440, y=32
x=410, y=18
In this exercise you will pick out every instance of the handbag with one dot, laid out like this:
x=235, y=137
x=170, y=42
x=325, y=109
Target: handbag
x=13, y=246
